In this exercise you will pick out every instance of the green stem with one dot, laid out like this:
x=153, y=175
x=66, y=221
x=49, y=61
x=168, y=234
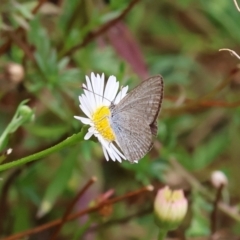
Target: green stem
x=5, y=133
x=162, y=235
x=70, y=140
x=13, y=125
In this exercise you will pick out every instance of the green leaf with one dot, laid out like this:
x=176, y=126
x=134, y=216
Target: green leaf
x=208, y=152
x=62, y=64
x=200, y=224
x=23, y=9
x=21, y=218
x=58, y=184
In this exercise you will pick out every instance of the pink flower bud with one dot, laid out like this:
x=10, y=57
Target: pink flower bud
x=170, y=207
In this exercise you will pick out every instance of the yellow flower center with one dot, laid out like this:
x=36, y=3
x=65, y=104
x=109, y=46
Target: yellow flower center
x=101, y=123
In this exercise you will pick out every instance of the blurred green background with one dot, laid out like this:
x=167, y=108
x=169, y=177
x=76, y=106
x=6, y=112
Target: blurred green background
x=47, y=48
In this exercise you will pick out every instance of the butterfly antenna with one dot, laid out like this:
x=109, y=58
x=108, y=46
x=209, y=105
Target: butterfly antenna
x=84, y=88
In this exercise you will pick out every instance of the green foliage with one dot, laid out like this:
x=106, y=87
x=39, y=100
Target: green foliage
x=199, y=124
x=22, y=115
x=18, y=14
x=147, y=170
x=200, y=225
x=205, y=154
x=57, y=186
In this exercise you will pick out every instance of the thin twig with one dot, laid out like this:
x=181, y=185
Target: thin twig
x=215, y=209
x=129, y=195
x=203, y=101
x=201, y=106
x=78, y=214
x=122, y=220
x=236, y=4
x=231, y=51
x=70, y=207
x=92, y=35
x=220, y=104
x=40, y=3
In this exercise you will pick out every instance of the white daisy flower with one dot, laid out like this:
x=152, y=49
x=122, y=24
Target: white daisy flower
x=95, y=103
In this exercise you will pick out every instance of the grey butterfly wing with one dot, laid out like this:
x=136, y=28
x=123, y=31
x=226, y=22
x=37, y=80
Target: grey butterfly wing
x=134, y=118
x=146, y=98
x=133, y=135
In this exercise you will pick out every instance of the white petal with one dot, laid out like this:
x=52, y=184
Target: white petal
x=101, y=88
x=114, y=87
x=121, y=95
x=111, y=154
x=97, y=90
x=90, y=92
x=105, y=153
x=92, y=129
x=83, y=120
x=94, y=81
x=105, y=145
x=87, y=102
x=110, y=90
x=85, y=111
x=88, y=135
x=90, y=100
x=118, y=158
x=117, y=151
x=112, y=151
x=89, y=82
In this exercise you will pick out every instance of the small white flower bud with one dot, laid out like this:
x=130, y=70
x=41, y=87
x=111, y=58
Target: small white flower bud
x=218, y=178
x=15, y=72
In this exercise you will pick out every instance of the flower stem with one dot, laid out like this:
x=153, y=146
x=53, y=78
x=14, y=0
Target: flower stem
x=162, y=235
x=70, y=140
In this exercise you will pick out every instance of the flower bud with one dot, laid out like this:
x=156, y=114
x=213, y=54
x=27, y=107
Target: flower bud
x=15, y=72
x=218, y=179
x=26, y=113
x=170, y=207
